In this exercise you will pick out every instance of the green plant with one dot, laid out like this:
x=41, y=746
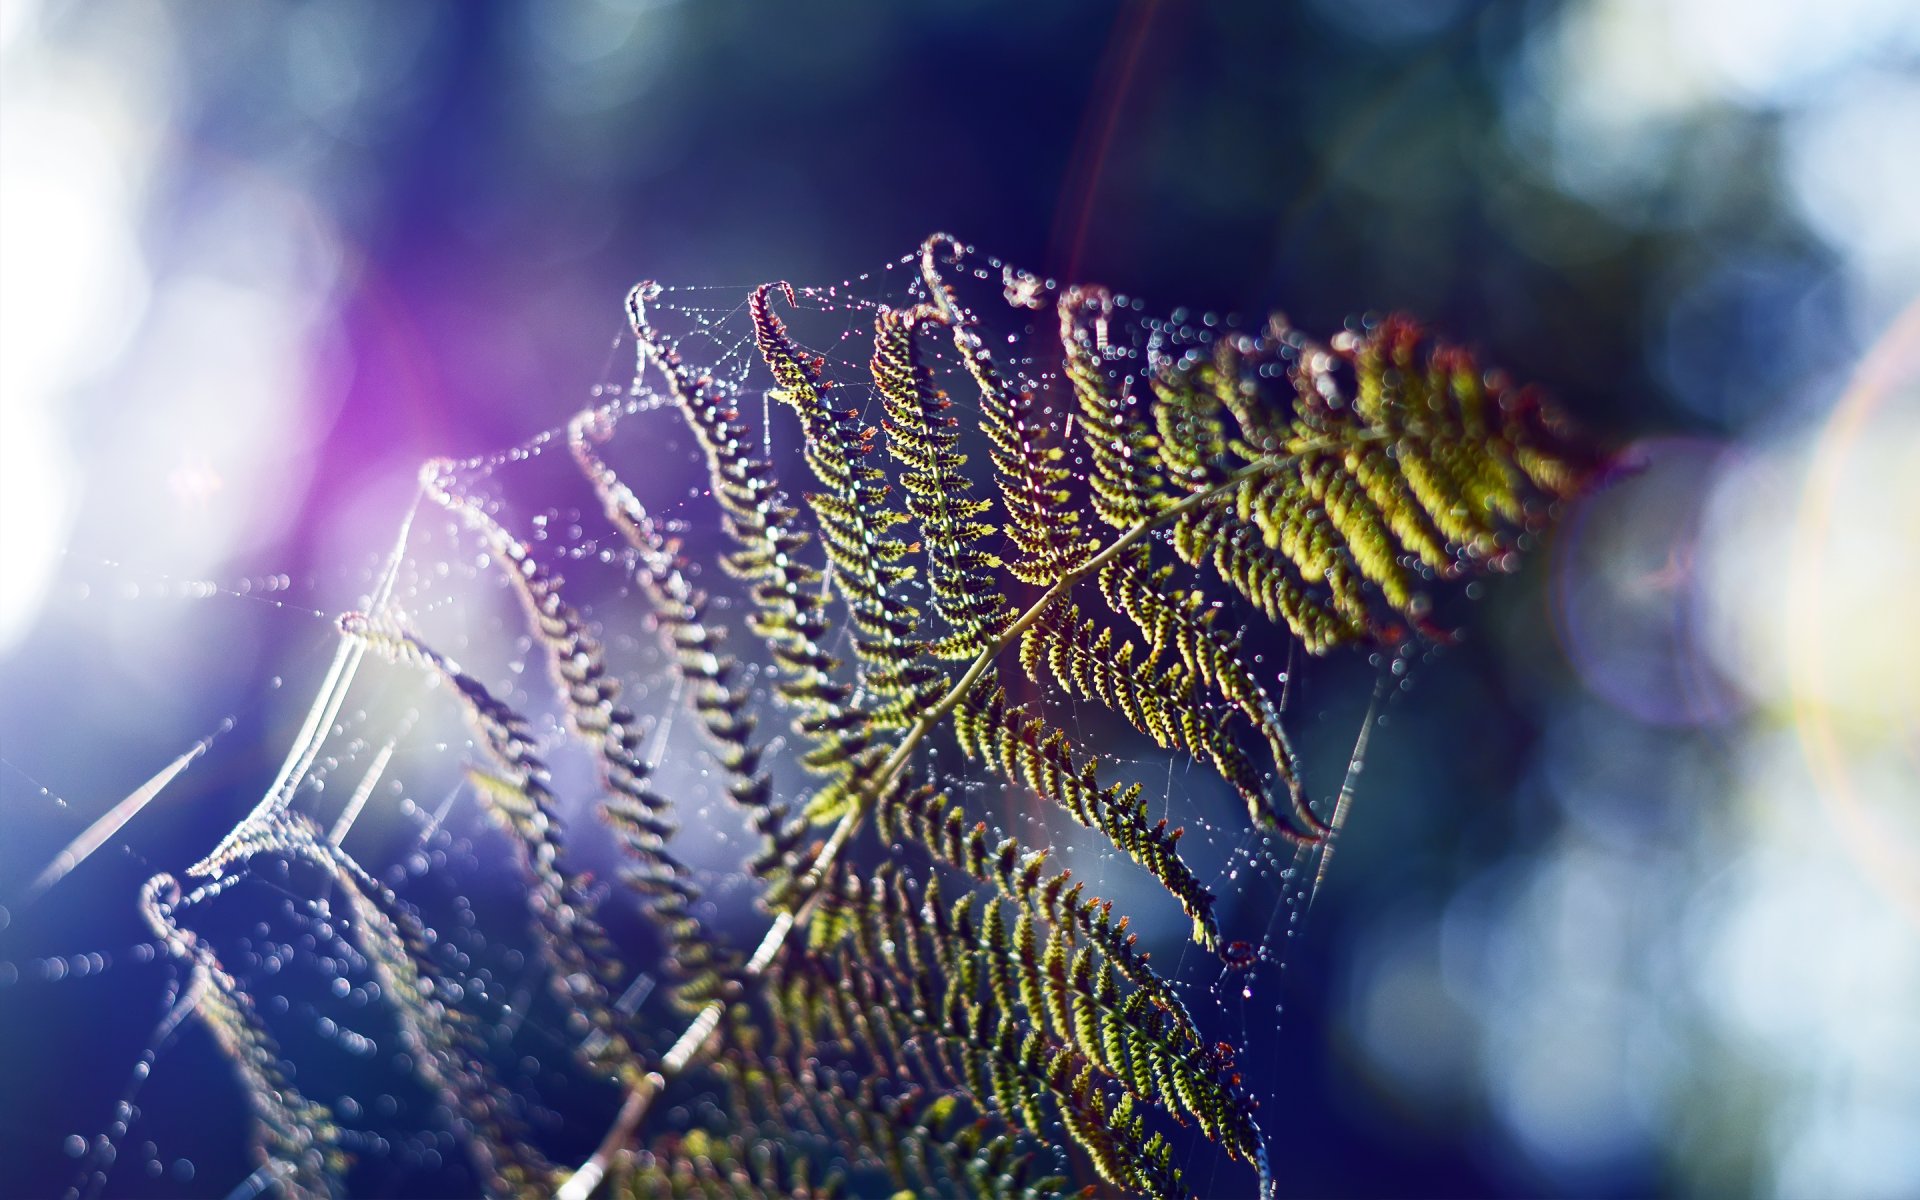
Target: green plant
x=1142, y=494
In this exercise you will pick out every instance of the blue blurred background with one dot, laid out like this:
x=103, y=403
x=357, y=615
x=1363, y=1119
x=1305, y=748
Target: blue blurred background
x=1630, y=903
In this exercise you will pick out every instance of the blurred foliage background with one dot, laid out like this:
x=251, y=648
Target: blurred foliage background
x=1631, y=899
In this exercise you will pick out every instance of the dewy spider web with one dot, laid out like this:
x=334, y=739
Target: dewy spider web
x=374, y=847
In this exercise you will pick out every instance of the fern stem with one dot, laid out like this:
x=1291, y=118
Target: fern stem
x=699, y=1036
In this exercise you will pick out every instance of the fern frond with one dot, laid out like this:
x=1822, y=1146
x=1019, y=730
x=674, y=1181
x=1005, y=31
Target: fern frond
x=1423, y=463
x=924, y=439
x=1040, y=523
x=1164, y=702
x=1183, y=626
x=931, y=997
x=696, y=649
x=444, y=1047
x=1031, y=1026
x=590, y=695
x=1266, y=578
x=1125, y=485
x=1075, y=987
x=679, y=608
x=940, y=827
x=1021, y=747
x=853, y=513
x=293, y=1137
x=790, y=614
x=1326, y=487
x=764, y=526
x=517, y=795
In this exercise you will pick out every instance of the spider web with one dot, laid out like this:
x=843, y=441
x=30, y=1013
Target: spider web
x=382, y=768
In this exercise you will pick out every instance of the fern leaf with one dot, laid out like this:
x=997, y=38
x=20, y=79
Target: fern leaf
x=1428, y=461
x=853, y=513
x=1021, y=747
x=589, y=694
x=1326, y=488
x=1125, y=485
x=447, y=1054
x=517, y=795
x=294, y=1138
x=679, y=608
x=789, y=615
x=923, y=439
x=1042, y=526
x=764, y=527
